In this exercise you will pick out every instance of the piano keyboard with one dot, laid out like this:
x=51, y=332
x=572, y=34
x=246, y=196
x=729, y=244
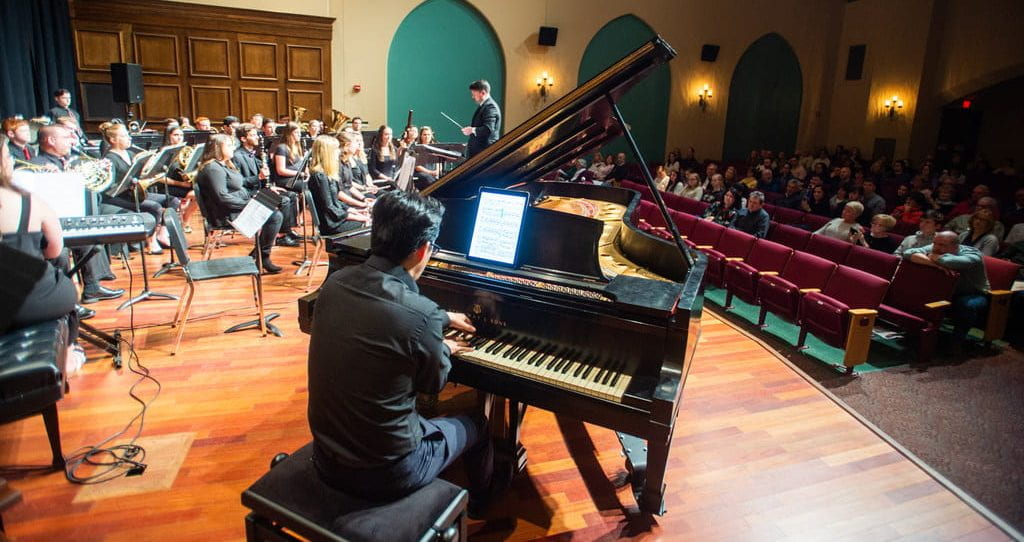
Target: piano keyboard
x=105, y=229
x=562, y=367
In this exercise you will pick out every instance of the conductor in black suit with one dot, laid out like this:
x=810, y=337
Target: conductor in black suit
x=486, y=119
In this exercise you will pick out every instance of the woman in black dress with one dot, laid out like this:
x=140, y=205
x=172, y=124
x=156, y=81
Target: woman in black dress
x=285, y=157
x=383, y=157
x=337, y=210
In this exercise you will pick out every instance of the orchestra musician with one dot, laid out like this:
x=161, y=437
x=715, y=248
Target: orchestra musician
x=409, y=137
x=256, y=120
x=255, y=173
x=338, y=210
x=314, y=129
x=383, y=159
x=428, y=168
x=121, y=158
x=483, y=130
x=230, y=125
x=54, y=147
x=353, y=165
x=18, y=133
x=178, y=183
x=286, y=156
x=222, y=189
x=30, y=227
x=364, y=373
x=62, y=97
x=203, y=124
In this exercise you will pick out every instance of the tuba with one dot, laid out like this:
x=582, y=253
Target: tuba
x=338, y=120
x=297, y=112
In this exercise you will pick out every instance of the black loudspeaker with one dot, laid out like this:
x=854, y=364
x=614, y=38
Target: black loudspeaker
x=548, y=35
x=709, y=52
x=126, y=82
x=855, y=62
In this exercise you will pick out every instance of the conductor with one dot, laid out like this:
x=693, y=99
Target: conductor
x=486, y=120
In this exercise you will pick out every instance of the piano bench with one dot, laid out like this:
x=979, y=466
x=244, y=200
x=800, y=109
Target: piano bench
x=32, y=377
x=291, y=498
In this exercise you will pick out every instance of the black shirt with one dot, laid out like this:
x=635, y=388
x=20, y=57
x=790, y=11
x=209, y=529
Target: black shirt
x=382, y=165
x=222, y=189
x=248, y=168
x=331, y=211
x=375, y=343
x=290, y=162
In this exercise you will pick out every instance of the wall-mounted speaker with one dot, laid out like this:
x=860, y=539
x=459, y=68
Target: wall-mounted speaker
x=709, y=52
x=548, y=35
x=126, y=83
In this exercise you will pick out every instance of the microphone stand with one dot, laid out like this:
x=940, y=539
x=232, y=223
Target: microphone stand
x=146, y=293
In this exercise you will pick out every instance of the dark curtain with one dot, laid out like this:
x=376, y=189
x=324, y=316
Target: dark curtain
x=38, y=56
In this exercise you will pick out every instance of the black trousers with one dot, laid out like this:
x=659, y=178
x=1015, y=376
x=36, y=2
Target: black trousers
x=154, y=204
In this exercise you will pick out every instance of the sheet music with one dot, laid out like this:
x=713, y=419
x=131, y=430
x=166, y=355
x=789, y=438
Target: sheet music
x=499, y=218
x=63, y=192
x=404, y=180
x=256, y=213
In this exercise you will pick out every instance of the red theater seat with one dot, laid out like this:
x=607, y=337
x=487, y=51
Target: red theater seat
x=741, y=278
x=830, y=248
x=734, y=245
x=843, y=313
x=793, y=237
x=916, y=302
x=781, y=294
x=813, y=222
x=785, y=215
x=705, y=234
x=873, y=261
x=1001, y=275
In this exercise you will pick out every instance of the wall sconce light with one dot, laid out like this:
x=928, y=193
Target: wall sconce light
x=893, y=106
x=704, y=98
x=544, y=82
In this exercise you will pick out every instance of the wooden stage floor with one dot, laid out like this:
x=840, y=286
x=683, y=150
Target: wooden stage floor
x=759, y=453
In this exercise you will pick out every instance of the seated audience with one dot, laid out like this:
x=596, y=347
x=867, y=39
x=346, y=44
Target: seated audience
x=672, y=161
x=730, y=176
x=723, y=212
x=970, y=304
x=962, y=223
x=619, y=172
x=715, y=189
x=943, y=198
x=689, y=160
x=874, y=203
x=842, y=228
x=661, y=178
x=969, y=205
x=767, y=182
x=601, y=168
x=817, y=202
x=929, y=224
x=913, y=209
x=749, y=180
x=691, y=189
x=753, y=219
x=979, y=235
x=793, y=197
x=878, y=236
x=838, y=201
x=1014, y=213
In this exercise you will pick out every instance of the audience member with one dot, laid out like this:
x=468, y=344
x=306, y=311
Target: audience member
x=691, y=189
x=715, y=189
x=878, y=237
x=619, y=172
x=970, y=304
x=753, y=219
x=912, y=210
x=980, y=235
x=1014, y=212
x=767, y=182
x=723, y=212
x=873, y=203
x=838, y=201
x=816, y=202
x=601, y=168
x=842, y=228
x=794, y=196
x=928, y=225
x=689, y=160
x=969, y=205
x=749, y=180
x=661, y=178
x=962, y=223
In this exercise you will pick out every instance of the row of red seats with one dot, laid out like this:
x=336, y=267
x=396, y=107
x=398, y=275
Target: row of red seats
x=831, y=288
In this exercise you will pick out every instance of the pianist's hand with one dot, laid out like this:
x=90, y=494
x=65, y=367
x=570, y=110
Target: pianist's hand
x=461, y=322
x=458, y=347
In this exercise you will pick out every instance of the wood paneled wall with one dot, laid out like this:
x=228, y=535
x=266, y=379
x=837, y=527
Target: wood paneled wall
x=201, y=60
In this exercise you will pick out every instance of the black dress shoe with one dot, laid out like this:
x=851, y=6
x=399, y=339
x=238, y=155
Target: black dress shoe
x=108, y=277
x=285, y=241
x=269, y=268
x=100, y=294
x=84, y=313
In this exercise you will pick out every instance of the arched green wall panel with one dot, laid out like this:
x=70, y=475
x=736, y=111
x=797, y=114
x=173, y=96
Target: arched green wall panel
x=439, y=49
x=645, y=106
x=764, y=99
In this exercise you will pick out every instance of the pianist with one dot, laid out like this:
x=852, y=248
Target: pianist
x=365, y=371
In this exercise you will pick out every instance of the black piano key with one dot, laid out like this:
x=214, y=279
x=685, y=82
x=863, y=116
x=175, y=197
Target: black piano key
x=612, y=369
x=516, y=346
x=604, y=370
x=618, y=373
x=548, y=351
x=584, y=364
x=556, y=358
x=498, y=341
x=527, y=348
x=538, y=353
x=573, y=355
x=477, y=341
x=587, y=371
x=513, y=344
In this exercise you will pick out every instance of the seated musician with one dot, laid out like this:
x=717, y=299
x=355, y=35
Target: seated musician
x=203, y=124
x=285, y=158
x=121, y=158
x=428, y=168
x=409, y=137
x=224, y=194
x=355, y=177
x=337, y=210
x=18, y=133
x=177, y=181
x=29, y=226
x=364, y=373
x=315, y=129
x=230, y=125
x=383, y=160
x=55, y=144
x=256, y=120
x=255, y=174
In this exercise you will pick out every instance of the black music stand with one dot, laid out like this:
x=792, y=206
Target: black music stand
x=301, y=209
x=248, y=223
x=130, y=179
x=161, y=165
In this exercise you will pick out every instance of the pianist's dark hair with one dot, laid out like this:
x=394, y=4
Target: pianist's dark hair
x=480, y=84
x=402, y=222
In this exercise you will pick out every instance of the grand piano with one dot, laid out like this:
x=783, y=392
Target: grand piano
x=599, y=320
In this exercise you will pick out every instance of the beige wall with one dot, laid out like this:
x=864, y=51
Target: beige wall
x=834, y=111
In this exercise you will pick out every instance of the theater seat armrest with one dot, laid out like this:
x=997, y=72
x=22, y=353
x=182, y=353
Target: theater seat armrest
x=809, y=290
x=705, y=247
x=768, y=273
x=994, y=294
x=863, y=312
x=998, y=313
x=937, y=305
x=733, y=259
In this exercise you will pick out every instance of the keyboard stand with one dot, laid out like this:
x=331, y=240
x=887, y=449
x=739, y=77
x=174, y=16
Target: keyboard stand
x=110, y=344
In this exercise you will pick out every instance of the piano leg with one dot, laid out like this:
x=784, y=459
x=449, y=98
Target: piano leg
x=516, y=412
x=646, y=461
x=505, y=424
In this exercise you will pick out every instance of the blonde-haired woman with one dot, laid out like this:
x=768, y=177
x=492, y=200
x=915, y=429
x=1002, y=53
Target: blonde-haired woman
x=223, y=191
x=337, y=210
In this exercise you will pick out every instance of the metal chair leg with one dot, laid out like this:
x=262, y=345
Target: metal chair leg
x=184, y=317
x=181, y=302
x=315, y=261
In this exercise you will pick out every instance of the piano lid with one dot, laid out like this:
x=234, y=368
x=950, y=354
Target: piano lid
x=576, y=123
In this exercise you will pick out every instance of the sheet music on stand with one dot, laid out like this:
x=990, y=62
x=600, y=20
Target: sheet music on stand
x=404, y=181
x=256, y=212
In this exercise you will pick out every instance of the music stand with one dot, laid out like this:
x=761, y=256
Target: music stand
x=248, y=223
x=158, y=167
x=291, y=184
x=130, y=178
